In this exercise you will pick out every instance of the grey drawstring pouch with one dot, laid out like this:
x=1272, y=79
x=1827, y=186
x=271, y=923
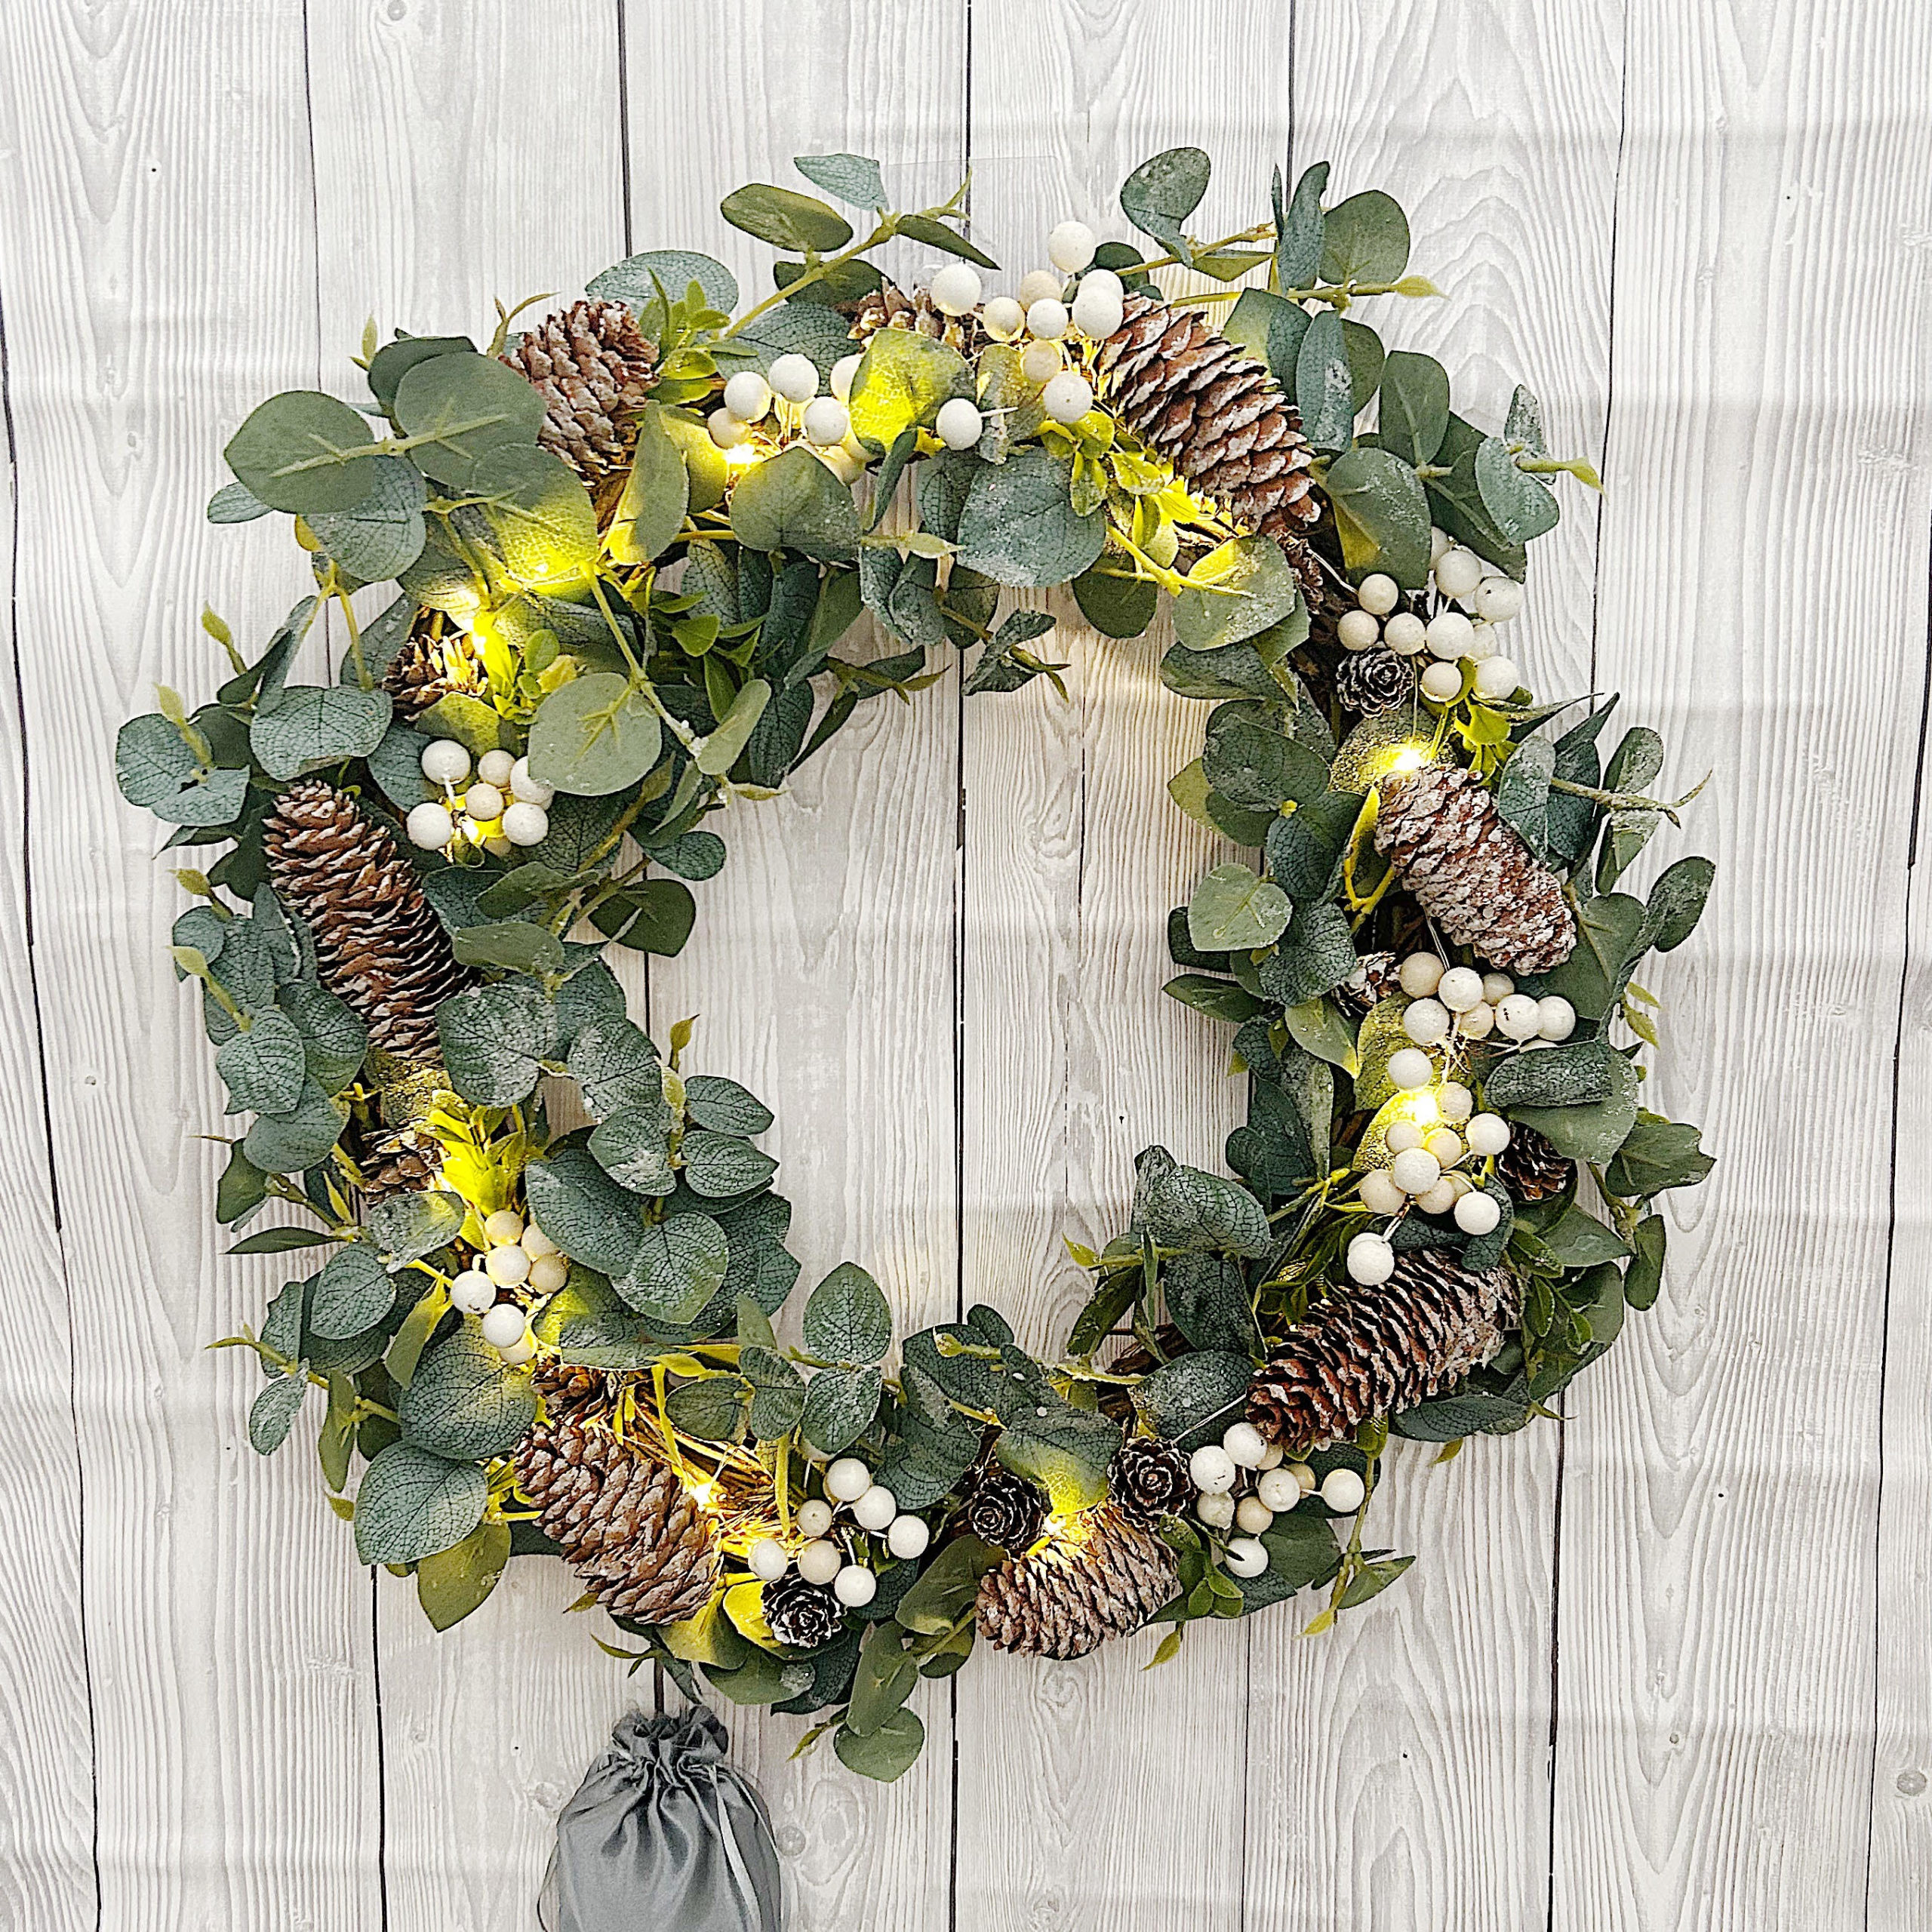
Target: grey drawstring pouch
x=663, y=1835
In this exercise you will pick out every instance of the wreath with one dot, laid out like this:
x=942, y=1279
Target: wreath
x=627, y=544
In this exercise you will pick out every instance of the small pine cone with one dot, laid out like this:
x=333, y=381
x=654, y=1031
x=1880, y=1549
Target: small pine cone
x=1004, y=1509
x=596, y=370
x=1373, y=681
x=1149, y=1478
x=379, y=945
x=407, y=1165
x=432, y=664
x=800, y=1614
x=1102, y=1575
x=634, y=1533
x=1471, y=873
x=1377, y=975
x=1529, y=1168
x=888, y=306
x=1372, y=1352
x=1219, y=418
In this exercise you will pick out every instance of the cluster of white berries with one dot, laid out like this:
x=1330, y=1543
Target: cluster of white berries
x=822, y=1559
x=1449, y=1001
x=499, y=808
x=792, y=380
x=1244, y=1483
x=518, y=1256
x=1452, y=635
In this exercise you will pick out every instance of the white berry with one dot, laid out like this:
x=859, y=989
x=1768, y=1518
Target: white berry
x=519, y=1351
x=1040, y=285
x=1497, y=987
x=841, y=460
x=826, y=421
x=502, y=1324
x=1420, y=974
x=843, y=371
x=1482, y=642
x=1487, y=1134
x=534, y=1241
x=1477, y=1213
x=1275, y=1456
x=1041, y=361
x=496, y=768
x=1380, y=1195
x=1071, y=246
x=1402, y=1135
x=1212, y=1469
x=1405, y=633
x=496, y=845
x=445, y=762
x=526, y=824
x=1426, y=1021
x=955, y=289
x=1448, y=634
x=1440, y=544
x=767, y=1560
x=794, y=377
x=1446, y=1144
x=483, y=802
x=1556, y=1018
x=1497, y=679
x=1342, y=1490
x=1410, y=1067
x=548, y=1273
x=1518, y=1017
x=1215, y=1509
x=1303, y=1474
x=531, y=790
x=1416, y=1171
x=1099, y=303
x=1458, y=572
x=1003, y=318
x=1245, y=1444
x=1068, y=397
x=1460, y=988
x=1442, y=683
x=1438, y=1199
x=875, y=1510
x=1454, y=1101
x=1499, y=598
x=1378, y=594
x=748, y=395
x=728, y=430
x=959, y=423
x=1254, y=1515
x=1279, y=1489
x=813, y=1518
x=507, y=1266
x=855, y=1586
x=1370, y=1260
x=908, y=1535
x=1358, y=629
x=470, y=1293
x=1247, y=1558
x=819, y=1562
x=847, y=1479
x=430, y=826
x=503, y=1227
x=1047, y=318
x=1475, y=1024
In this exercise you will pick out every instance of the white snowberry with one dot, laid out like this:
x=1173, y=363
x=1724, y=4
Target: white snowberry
x=548, y=1273
x=1487, y=1134
x=843, y=371
x=483, y=802
x=1378, y=594
x=955, y=289
x=497, y=768
x=1446, y=1144
x=847, y=1479
x=1477, y=1213
x=526, y=824
x=1460, y=988
x=1245, y=1444
x=503, y=1227
x=875, y=1510
x=959, y=422
x=506, y=1266
x=748, y=395
x=1275, y=1456
x=519, y=1351
x=1482, y=643
x=1246, y=1557
x=1041, y=361
x=794, y=377
x=1215, y=1510
x=1380, y=1195
x=812, y=1518
x=1040, y=285
x=1410, y=1067
x=445, y=762
x=534, y=1241
x=908, y=1535
x=1448, y=634
x=1518, y=1017
x=1438, y=1199
x=1405, y=633
x=1068, y=397
x=1003, y=318
x=1212, y=1469
x=819, y=1562
x=502, y=1324
x=470, y=1293
x=1556, y=1018
x=1279, y=1489
x=1342, y=1490
x=1499, y=598
x=1402, y=1135
x=1071, y=246
x=531, y=789
x=1475, y=1024
x=826, y=421
x=767, y=1560
x=1370, y=1260
x=728, y=430
x=1440, y=544
x=1497, y=679
x=1254, y=1515
x=1443, y=683
x=855, y=1586
x=1048, y=318
x=1303, y=1474
x=1420, y=974
x=496, y=845
x=1416, y=1171
x=1454, y=1101
x=430, y=825
x=1426, y=1021
x=841, y=461
x=1358, y=629
x=1458, y=572
x=1099, y=303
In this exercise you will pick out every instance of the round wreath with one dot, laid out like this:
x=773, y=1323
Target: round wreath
x=628, y=542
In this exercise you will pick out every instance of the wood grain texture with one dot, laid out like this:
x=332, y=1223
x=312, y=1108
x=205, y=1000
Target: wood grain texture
x=1762, y=603
x=159, y=271
x=445, y=181
x=1072, y=1776
x=822, y=968
x=1413, y=1743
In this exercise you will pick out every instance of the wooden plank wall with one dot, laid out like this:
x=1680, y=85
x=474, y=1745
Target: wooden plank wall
x=1663, y=1666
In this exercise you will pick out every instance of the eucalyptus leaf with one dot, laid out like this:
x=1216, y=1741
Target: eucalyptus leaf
x=1160, y=194
x=413, y=1503
x=305, y=452
x=597, y=734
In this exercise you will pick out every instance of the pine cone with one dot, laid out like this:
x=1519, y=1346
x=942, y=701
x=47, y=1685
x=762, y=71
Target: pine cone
x=1004, y=1509
x=379, y=945
x=1371, y=1352
x=888, y=306
x=1529, y=1168
x=431, y=664
x=1219, y=419
x=1377, y=975
x=1102, y=1575
x=407, y=1164
x=1149, y=1478
x=1373, y=681
x=800, y=1613
x=627, y=1526
x=595, y=370
x=1471, y=873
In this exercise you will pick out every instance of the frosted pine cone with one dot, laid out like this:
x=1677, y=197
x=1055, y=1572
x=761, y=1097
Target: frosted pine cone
x=1374, y=681
x=889, y=306
x=1102, y=1575
x=595, y=370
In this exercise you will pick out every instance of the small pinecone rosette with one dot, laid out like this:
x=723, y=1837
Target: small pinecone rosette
x=888, y=306
x=1377, y=975
x=632, y=1531
x=801, y=1614
x=379, y=946
x=595, y=370
x=1149, y=1478
x=1004, y=1509
x=1219, y=419
x=1103, y=1575
x=1370, y=682
x=1372, y=1351
x=1470, y=872
x=431, y=665
x=1529, y=1168
x=408, y=1163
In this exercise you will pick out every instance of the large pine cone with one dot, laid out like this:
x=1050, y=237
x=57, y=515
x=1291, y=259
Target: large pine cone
x=595, y=370
x=1371, y=1352
x=1103, y=1575
x=634, y=1533
x=1529, y=1168
x=888, y=306
x=379, y=944
x=433, y=662
x=1219, y=419
x=1471, y=873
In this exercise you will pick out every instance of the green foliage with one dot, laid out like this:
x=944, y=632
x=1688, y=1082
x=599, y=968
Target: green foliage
x=413, y=1503
x=1161, y=194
